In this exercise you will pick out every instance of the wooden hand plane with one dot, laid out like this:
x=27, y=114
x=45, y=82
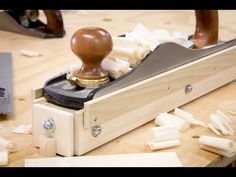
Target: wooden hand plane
x=170, y=76
x=27, y=22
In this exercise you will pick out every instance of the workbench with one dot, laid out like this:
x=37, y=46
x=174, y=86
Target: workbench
x=56, y=55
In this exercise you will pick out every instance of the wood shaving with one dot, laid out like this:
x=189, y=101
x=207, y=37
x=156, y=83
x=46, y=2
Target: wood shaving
x=29, y=53
x=24, y=129
x=3, y=158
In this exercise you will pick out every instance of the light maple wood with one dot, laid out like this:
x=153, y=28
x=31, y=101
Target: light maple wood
x=36, y=93
x=48, y=146
x=63, y=132
x=150, y=90
x=139, y=103
x=169, y=159
x=33, y=72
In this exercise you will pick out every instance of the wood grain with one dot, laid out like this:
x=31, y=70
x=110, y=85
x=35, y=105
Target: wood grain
x=29, y=73
x=64, y=127
x=167, y=159
x=135, y=96
x=141, y=102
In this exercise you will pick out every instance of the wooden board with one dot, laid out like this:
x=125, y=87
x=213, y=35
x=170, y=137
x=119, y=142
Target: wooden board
x=64, y=127
x=169, y=159
x=56, y=54
x=150, y=90
x=135, y=105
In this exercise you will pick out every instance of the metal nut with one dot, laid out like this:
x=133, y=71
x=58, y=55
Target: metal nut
x=96, y=130
x=49, y=125
x=188, y=89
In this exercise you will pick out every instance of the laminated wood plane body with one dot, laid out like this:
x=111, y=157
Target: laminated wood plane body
x=167, y=78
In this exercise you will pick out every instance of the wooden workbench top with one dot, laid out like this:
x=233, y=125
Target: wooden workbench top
x=56, y=54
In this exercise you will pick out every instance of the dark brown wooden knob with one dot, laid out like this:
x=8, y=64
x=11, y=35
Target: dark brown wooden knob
x=91, y=45
x=206, y=31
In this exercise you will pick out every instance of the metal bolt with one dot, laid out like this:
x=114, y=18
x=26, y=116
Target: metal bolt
x=188, y=89
x=49, y=125
x=32, y=15
x=96, y=130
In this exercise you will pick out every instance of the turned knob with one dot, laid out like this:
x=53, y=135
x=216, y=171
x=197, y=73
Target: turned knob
x=91, y=45
x=206, y=31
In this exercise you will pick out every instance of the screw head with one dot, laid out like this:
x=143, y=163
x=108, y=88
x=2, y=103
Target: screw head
x=96, y=130
x=188, y=89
